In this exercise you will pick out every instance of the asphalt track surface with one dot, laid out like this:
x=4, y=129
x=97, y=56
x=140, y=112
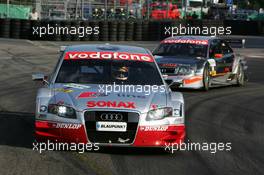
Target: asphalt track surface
x=227, y=114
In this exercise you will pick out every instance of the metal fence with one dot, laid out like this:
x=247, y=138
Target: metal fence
x=129, y=9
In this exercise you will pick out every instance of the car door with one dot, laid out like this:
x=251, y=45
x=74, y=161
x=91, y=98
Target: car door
x=228, y=58
x=223, y=58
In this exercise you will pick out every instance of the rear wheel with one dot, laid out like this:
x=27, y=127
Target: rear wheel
x=206, y=79
x=240, y=76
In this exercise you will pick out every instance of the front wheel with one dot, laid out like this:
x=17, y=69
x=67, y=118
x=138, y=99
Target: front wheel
x=240, y=76
x=206, y=79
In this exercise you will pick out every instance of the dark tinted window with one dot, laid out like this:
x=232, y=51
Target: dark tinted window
x=215, y=48
x=181, y=50
x=226, y=48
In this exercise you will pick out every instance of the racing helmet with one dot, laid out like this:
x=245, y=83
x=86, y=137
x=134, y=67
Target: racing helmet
x=120, y=73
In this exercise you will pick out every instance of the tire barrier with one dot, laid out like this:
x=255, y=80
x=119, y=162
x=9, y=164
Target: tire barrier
x=155, y=30
x=75, y=37
x=145, y=30
x=94, y=24
x=118, y=30
x=121, y=31
x=103, y=27
x=25, y=29
x=45, y=36
x=166, y=29
x=86, y=36
x=5, y=28
x=66, y=36
x=112, y=30
x=129, y=30
x=15, y=28
x=138, y=31
x=243, y=27
x=55, y=36
x=261, y=30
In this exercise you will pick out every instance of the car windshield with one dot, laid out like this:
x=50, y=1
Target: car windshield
x=109, y=72
x=185, y=50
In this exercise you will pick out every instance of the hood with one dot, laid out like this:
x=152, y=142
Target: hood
x=83, y=97
x=178, y=60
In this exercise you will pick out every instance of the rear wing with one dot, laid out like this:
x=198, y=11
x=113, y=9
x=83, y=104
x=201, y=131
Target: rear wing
x=236, y=43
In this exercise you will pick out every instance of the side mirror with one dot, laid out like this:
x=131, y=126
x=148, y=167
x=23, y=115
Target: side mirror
x=39, y=77
x=218, y=55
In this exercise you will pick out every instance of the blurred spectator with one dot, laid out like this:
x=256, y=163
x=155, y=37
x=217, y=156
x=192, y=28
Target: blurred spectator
x=194, y=15
x=261, y=10
x=34, y=15
x=189, y=16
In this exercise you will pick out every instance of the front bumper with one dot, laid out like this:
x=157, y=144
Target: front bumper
x=146, y=136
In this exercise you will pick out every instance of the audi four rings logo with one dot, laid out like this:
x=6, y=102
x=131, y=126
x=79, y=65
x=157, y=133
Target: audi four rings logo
x=113, y=117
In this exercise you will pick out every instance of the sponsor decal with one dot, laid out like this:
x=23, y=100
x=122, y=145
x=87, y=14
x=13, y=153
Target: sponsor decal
x=108, y=56
x=92, y=95
x=131, y=96
x=193, y=79
x=77, y=86
x=111, y=126
x=185, y=41
x=65, y=90
x=111, y=104
x=154, y=128
x=67, y=125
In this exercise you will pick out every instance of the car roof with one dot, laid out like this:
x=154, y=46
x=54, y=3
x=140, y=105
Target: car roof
x=106, y=48
x=192, y=37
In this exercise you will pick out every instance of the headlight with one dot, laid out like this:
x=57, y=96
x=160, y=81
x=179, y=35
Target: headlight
x=158, y=114
x=62, y=111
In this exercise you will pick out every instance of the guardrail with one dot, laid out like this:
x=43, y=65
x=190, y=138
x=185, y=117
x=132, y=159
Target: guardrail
x=114, y=30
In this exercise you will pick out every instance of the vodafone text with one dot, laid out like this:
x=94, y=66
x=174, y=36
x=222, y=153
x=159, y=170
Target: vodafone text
x=108, y=55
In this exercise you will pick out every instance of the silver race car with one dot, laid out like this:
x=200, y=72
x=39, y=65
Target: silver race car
x=109, y=95
x=199, y=62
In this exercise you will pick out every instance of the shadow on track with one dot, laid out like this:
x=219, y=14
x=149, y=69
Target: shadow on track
x=133, y=151
x=17, y=129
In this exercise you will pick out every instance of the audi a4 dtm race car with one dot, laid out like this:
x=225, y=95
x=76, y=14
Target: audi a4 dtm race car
x=199, y=62
x=108, y=95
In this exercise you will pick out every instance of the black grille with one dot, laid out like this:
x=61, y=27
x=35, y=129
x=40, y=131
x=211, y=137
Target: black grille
x=167, y=70
x=91, y=117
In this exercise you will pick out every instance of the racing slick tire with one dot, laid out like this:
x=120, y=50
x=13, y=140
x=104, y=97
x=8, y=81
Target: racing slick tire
x=206, y=79
x=240, y=78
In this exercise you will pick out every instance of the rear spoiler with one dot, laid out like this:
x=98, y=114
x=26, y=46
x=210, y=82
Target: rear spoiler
x=236, y=42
